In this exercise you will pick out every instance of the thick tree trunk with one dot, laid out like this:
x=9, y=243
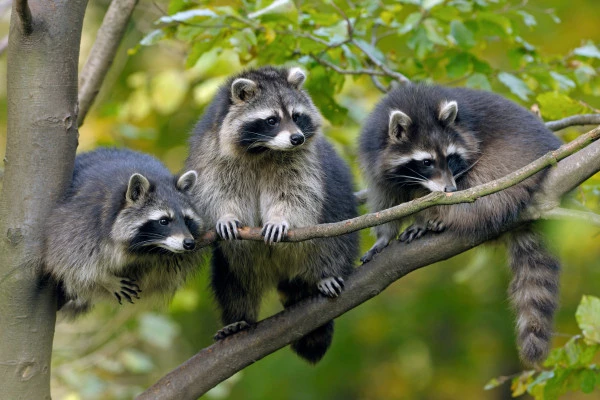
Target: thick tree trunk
x=43, y=57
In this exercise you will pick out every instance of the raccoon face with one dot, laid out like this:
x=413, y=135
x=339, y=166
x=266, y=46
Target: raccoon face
x=431, y=155
x=270, y=112
x=158, y=218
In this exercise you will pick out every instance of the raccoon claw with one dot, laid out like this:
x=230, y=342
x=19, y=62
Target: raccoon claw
x=231, y=329
x=124, y=289
x=369, y=255
x=331, y=287
x=413, y=232
x=227, y=228
x=435, y=225
x=275, y=232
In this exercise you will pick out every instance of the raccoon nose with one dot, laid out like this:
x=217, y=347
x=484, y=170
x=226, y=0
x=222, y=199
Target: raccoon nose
x=189, y=244
x=449, y=189
x=297, y=139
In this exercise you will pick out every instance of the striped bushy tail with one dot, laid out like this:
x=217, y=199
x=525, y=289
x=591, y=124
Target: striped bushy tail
x=534, y=293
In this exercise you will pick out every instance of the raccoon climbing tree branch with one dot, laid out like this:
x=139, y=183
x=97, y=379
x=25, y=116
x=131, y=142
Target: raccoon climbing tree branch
x=584, y=119
x=430, y=200
x=24, y=13
x=218, y=362
x=103, y=53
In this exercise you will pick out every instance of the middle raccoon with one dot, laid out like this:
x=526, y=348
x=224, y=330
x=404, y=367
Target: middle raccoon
x=262, y=161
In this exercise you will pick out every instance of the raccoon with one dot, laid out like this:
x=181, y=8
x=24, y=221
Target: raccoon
x=421, y=139
x=125, y=225
x=262, y=161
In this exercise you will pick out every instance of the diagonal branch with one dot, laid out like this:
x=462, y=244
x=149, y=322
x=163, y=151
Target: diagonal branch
x=221, y=360
x=568, y=214
x=103, y=53
x=24, y=13
x=430, y=200
x=584, y=119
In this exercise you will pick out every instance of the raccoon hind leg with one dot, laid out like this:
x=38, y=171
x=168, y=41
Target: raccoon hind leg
x=312, y=346
x=238, y=299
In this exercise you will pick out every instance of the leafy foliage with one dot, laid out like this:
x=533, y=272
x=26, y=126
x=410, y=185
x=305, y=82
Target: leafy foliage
x=568, y=368
x=446, y=41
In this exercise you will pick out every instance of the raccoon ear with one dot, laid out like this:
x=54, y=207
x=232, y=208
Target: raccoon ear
x=296, y=77
x=243, y=90
x=187, y=181
x=448, y=111
x=399, y=123
x=137, y=188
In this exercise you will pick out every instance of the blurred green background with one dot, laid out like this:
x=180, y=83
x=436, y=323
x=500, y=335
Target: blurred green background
x=440, y=333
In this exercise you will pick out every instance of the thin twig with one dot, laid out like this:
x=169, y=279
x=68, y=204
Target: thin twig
x=584, y=119
x=24, y=13
x=342, y=71
x=393, y=74
x=378, y=84
x=567, y=214
x=103, y=53
x=430, y=200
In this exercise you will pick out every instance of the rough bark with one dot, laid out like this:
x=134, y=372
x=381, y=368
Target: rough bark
x=43, y=54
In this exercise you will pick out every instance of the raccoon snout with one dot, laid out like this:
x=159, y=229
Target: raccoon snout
x=297, y=139
x=189, y=244
x=449, y=189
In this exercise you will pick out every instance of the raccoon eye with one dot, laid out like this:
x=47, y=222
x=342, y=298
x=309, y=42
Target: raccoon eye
x=163, y=221
x=427, y=162
x=272, y=121
x=295, y=117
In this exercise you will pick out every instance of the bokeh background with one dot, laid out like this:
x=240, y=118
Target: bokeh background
x=440, y=333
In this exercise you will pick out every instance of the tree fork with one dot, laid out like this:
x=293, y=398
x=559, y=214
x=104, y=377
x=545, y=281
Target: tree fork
x=43, y=54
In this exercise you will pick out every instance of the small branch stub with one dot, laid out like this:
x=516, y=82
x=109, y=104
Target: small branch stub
x=24, y=13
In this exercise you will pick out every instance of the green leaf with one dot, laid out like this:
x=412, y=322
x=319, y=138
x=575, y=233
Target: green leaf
x=429, y=4
x=458, y=66
x=495, y=382
x=435, y=32
x=588, y=318
x=588, y=50
x=184, y=16
x=516, y=85
x=564, y=83
x=555, y=105
x=462, y=35
x=479, y=81
x=528, y=19
x=588, y=381
x=283, y=7
x=410, y=23
x=153, y=37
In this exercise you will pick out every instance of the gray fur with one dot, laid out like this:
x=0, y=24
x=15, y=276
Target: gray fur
x=88, y=248
x=493, y=137
x=277, y=188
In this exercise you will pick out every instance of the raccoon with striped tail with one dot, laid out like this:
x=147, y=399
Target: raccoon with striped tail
x=423, y=138
x=126, y=225
x=262, y=160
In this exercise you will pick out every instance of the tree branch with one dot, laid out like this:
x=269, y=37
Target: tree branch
x=24, y=14
x=584, y=119
x=560, y=213
x=430, y=200
x=103, y=52
x=221, y=360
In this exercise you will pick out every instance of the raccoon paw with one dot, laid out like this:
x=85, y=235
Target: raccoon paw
x=230, y=329
x=126, y=288
x=435, y=225
x=275, y=231
x=413, y=232
x=227, y=228
x=376, y=249
x=331, y=287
